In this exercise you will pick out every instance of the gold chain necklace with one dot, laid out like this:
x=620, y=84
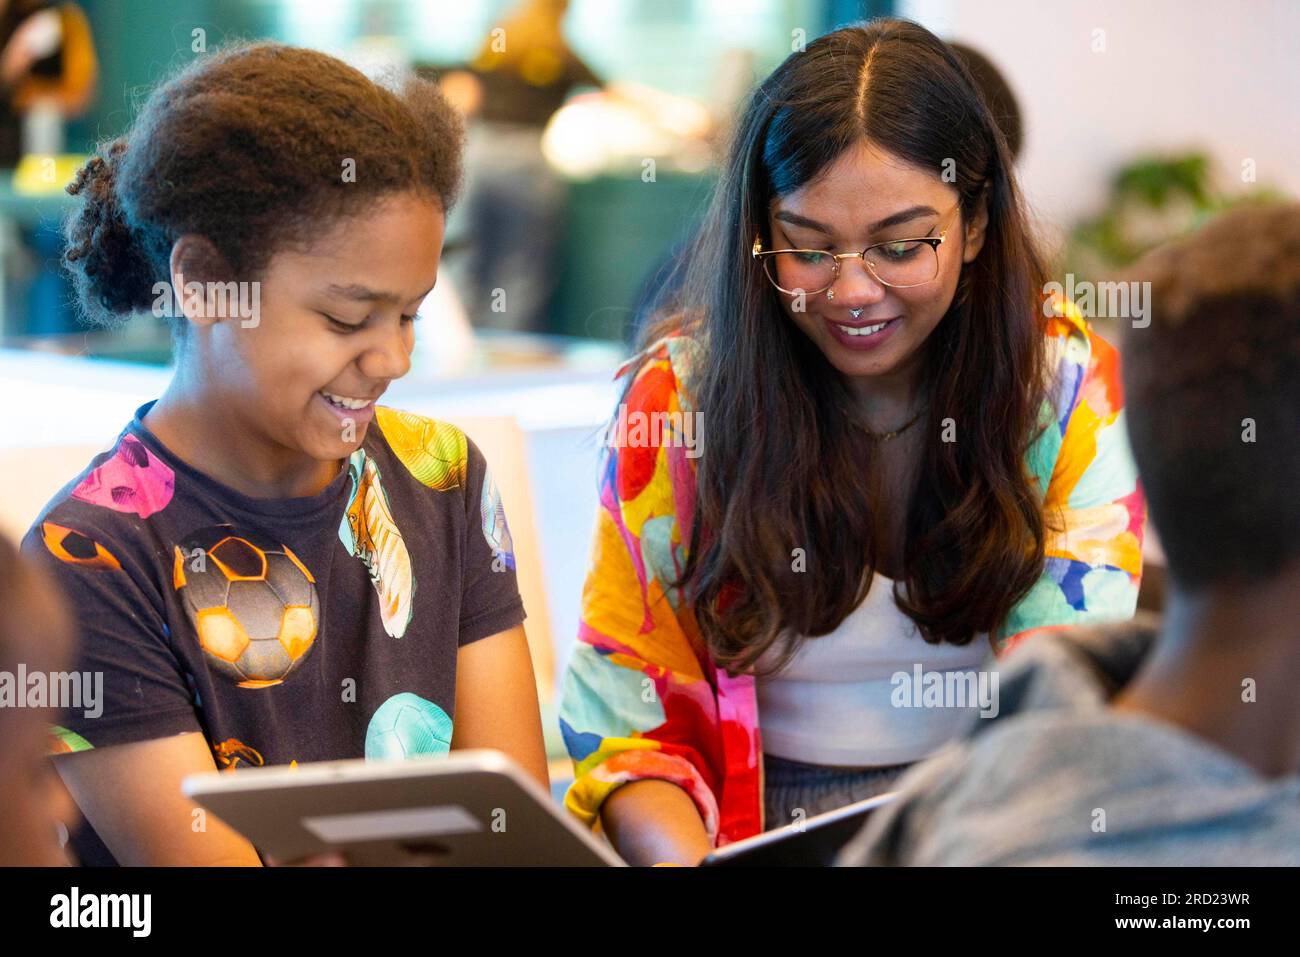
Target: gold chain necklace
x=886, y=436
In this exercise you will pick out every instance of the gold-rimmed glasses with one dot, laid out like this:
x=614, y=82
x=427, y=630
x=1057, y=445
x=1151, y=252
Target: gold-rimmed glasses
x=896, y=262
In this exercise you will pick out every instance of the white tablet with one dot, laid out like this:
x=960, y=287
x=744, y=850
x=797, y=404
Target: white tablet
x=468, y=808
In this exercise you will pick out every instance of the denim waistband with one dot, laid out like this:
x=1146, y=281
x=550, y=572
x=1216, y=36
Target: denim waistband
x=792, y=789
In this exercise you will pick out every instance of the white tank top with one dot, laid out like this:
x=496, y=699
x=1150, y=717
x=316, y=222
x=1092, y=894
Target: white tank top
x=834, y=703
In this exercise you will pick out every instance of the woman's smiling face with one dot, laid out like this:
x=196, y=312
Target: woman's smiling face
x=869, y=196
x=335, y=329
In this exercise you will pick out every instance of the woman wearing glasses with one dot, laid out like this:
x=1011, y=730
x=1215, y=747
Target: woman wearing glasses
x=904, y=457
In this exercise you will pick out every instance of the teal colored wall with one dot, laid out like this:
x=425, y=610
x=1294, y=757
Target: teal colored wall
x=141, y=41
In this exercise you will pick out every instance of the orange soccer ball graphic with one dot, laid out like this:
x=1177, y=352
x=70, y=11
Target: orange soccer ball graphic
x=252, y=603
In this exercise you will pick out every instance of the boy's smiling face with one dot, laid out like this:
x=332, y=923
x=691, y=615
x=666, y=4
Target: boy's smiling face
x=334, y=329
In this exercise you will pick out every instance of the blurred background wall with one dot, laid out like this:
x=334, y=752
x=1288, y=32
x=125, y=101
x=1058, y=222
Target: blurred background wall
x=1174, y=76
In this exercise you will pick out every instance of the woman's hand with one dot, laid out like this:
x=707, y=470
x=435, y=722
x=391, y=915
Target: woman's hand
x=653, y=822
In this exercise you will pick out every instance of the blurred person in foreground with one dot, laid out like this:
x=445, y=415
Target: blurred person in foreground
x=1125, y=745
x=35, y=634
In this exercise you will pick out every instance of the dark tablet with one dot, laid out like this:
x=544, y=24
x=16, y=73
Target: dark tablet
x=810, y=843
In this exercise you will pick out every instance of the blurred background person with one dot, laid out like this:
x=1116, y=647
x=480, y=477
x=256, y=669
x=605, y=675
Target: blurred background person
x=48, y=76
x=997, y=93
x=514, y=200
x=47, y=67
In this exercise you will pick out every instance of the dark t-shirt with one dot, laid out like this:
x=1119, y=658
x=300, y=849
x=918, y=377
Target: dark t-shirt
x=303, y=629
x=510, y=98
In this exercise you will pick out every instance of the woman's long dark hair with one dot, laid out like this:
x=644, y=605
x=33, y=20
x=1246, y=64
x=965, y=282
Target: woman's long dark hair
x=784, y=463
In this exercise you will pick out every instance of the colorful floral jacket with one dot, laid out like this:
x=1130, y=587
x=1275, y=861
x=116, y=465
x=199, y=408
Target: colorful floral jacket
x=641, y=697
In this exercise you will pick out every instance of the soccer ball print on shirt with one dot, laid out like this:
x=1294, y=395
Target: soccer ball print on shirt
x=252, y=603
